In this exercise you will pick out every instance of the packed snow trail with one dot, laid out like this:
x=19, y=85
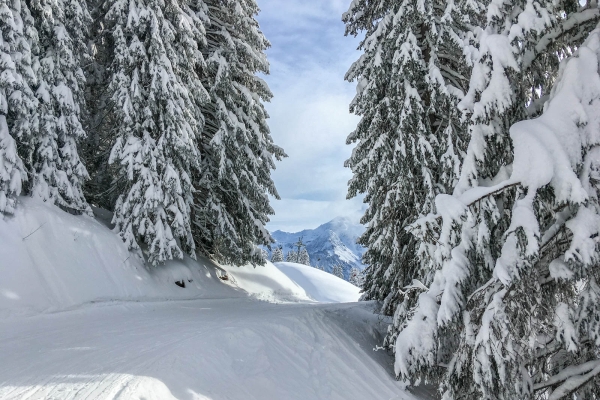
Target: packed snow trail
x=200, y=349
x=83, y=318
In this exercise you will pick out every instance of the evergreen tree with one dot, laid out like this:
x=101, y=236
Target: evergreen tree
x=100, y=189
x=303, y=257
x=17, y=100
x=157, y=96
x=508, y=301
x=291, y=256
x=58, y=173
x=356, y=277
x=410, y=138
x=338, y=271
x=234, y=182
x=152, y=154
x=277, y=255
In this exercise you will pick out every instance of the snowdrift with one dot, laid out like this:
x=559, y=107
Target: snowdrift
x=53, y=261
x=267, y=283
x=321, y=286
x=285, y=282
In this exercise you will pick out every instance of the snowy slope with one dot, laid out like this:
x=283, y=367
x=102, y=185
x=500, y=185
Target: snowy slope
x=319, y=285
x=51, y=261
x=329, y=244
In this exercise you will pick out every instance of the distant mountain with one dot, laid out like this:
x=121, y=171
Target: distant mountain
x=329, y=244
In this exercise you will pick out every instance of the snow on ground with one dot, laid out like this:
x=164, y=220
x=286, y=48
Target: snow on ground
x=320, y=285
x=82, y=318
x=266, y=283
x=202, y=349
x=52, y=261
x=291, y=282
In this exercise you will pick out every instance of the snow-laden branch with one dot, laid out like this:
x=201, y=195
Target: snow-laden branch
x=471, y=197
x=574, y=20
x=572, y=378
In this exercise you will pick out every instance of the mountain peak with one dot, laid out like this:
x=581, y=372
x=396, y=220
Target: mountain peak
x=345, y=220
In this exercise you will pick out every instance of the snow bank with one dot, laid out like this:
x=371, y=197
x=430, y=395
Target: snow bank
x=320, y=285
x=51, y=261
x=267, y=283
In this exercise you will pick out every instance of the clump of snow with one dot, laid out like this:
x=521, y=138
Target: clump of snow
x=320, y=285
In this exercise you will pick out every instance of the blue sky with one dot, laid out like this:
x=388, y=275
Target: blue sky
x=309, y=112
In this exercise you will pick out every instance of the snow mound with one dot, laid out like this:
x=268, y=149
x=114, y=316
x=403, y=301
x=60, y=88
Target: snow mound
x=53, y=261
x=320, y=285
x=267, y=283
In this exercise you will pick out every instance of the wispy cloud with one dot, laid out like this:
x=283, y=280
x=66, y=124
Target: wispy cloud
x=309, y=113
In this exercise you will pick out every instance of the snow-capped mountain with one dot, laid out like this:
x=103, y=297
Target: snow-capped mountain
x=331, y=243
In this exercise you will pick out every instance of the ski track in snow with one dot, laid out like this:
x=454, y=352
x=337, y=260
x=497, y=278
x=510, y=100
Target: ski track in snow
x=202, y=349
x=83, y=318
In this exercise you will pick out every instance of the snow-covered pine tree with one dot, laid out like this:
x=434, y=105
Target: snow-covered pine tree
x=303, y=257
x=277, y=255
x=57, y=171
x=17, y=100
x=157, y=96
x=234, y=184
x=356, y=277
x=338, y=271
x=291, y=256
x=103, y=187
x=410, y=138
x=508, y=311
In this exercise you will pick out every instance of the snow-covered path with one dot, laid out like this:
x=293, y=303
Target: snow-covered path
x=83, y=318
x=203, y=349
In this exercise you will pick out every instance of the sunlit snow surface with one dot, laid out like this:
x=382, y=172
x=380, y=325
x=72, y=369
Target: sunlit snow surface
x=291, y=282
x=320, y=285
x=267, y=283
x=82, y=318
x=202, y=349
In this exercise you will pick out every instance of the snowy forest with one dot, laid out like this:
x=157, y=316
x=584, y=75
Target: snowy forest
x=476, y=155
x=152, y=110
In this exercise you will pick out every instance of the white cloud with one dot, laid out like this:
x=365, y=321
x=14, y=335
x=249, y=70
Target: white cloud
x=295, y=215
x=309, y=112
